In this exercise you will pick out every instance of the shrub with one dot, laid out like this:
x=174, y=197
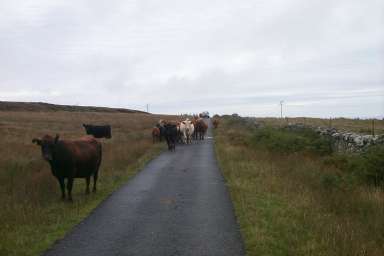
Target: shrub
x=367, y=167
x=370, y=165
x=286, y=141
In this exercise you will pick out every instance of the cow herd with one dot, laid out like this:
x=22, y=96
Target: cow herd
x=179, y=131
x=81, y=158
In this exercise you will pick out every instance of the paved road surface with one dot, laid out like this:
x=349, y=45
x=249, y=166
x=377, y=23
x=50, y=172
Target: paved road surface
x=177, y=205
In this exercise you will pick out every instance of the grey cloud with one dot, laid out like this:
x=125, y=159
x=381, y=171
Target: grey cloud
x=188, y=56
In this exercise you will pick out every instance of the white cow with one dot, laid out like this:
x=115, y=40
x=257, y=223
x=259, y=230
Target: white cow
x=187, y=128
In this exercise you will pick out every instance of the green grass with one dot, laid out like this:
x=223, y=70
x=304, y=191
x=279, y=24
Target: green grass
x=290, y=200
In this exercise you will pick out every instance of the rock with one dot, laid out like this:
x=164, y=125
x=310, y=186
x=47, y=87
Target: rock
x=359, y=141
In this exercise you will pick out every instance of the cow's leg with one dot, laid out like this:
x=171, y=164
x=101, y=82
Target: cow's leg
x=95, y=181
x=184, y=138
x=69, y=188
x=87, y=180
x=62, y=187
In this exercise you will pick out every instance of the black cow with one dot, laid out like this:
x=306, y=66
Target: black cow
x=70, y=159
x=98, y=131
x=170, y=134
x=162, y=131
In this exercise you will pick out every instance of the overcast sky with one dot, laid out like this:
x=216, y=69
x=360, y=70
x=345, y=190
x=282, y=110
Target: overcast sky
x=322, y=57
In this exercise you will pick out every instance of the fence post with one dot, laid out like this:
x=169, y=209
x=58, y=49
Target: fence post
x=330, y=122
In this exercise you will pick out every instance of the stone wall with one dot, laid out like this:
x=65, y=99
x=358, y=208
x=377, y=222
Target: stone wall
x=350, y=142
x=344, y=142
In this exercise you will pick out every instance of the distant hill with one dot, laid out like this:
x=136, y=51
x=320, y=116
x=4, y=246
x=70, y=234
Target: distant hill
x=47, y=107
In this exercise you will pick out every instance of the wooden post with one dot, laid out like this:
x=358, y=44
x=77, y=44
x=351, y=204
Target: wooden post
x=330, y=122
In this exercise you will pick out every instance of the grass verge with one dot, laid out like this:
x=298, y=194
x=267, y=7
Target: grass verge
x=290, y=199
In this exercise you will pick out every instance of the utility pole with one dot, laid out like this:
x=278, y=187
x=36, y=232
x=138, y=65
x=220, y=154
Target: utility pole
x=281, y=109
x=147, y=108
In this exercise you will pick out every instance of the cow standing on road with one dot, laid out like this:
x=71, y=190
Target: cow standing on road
x=70, y=159
x=201, y=128
x=162, y=130
x=194, y=122
x=171, y=136
x=187, y=129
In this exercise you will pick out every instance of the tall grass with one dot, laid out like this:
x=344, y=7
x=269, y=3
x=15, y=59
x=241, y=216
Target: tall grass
x=292, y=200
x=32, y=216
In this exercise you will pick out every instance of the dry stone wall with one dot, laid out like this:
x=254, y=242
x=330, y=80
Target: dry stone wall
x=344, y=142
x=350, y=142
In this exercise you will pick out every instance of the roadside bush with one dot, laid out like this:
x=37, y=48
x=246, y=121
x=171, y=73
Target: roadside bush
x=367, y=167
x=331, y=181
x=286, y=141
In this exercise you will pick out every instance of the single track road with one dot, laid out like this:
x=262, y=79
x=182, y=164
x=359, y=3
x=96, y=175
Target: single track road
x=177, y=205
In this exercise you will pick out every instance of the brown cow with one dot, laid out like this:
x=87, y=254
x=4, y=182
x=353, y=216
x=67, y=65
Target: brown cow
x=215, y=123
x=201, y=128
x=155, y=134
x=70, y=159
x=194, y=122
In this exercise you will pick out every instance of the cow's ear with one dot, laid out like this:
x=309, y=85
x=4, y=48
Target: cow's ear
x=36, y=141
x=57, y=138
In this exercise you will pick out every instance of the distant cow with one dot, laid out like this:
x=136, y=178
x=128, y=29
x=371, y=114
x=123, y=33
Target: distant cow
x=161, y=129
x=170, y=135
x=70, y=159
x=98, y=131
x=215, y=123
x=155, y=134
x=194, y=122
x=186, y=129
x=201, y=128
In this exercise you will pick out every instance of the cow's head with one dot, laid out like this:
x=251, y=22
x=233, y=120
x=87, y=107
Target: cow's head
x=47, y=144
